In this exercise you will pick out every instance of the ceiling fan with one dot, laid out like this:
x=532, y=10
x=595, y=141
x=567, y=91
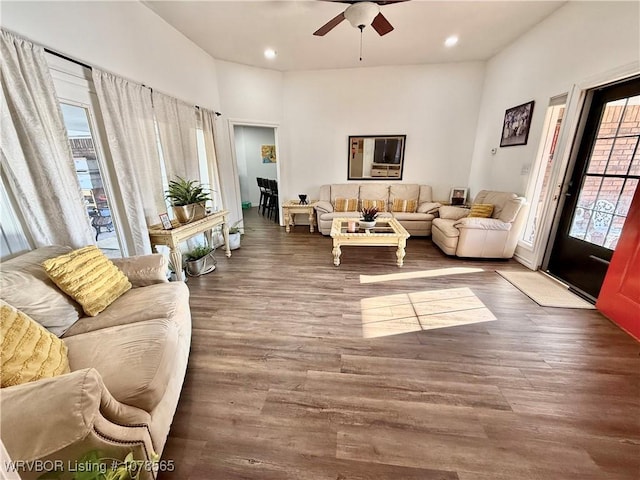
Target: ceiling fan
x=360, y=14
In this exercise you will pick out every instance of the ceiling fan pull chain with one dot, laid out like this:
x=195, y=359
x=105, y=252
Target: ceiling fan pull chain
x=361, y=27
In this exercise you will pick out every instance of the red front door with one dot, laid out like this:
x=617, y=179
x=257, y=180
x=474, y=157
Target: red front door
x=619, y=297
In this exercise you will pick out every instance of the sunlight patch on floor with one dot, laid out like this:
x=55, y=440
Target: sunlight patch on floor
x=439, y=272
x=426, y=310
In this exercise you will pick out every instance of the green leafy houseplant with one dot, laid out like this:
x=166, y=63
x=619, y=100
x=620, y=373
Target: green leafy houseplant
x=369, y=214
x=197, y=253
x=183, y=192
x=94, y=467
x=188, y=199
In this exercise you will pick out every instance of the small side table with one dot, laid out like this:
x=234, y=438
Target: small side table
x=292, y=207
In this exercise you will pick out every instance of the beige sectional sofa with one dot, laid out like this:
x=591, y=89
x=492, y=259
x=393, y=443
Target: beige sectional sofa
x=127, y=365
x=416, y=223
x=496, y=237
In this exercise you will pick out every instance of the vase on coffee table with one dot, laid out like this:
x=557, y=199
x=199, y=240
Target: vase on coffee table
x=366, y=225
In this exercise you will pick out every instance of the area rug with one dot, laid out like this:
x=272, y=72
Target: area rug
x=544, y=290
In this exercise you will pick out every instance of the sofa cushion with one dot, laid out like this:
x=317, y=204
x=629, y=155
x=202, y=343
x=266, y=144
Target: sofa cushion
x=446, y=226
x=135, y=361
x=161, y=300
x=413, y=216
x=400, y=205
x=346, y=205
x=428, y=207
x=344, y=190
x=404, y=191
x=510, y=210
x=453, y=213
x=89, y=277
x=374, y=191
x=380, y=205
x=25, y=285
x=28, y=352
x=497, y=199
x=481, y=210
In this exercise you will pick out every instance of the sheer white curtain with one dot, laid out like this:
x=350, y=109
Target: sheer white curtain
x=177, y=129
x=35, y=153
x=128, y=118
x=207, y=119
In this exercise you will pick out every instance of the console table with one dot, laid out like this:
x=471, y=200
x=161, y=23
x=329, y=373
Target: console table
x=181, y=232
x=291, y=207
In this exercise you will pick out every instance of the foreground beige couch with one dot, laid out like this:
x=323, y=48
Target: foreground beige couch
x=495, y=237
x=127, y=366
x=417, y=223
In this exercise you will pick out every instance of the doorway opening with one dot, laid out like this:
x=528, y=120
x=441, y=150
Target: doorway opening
x=256, y=159
x=600, y=188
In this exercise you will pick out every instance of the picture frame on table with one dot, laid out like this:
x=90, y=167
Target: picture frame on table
x=458, y=196
x=166, y=222
x=516, y=125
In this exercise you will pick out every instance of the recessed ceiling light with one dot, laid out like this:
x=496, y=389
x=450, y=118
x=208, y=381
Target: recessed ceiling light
x=270, y=53
x=451, y=41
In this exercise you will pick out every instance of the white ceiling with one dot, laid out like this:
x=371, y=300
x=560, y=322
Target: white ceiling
x=239, y=31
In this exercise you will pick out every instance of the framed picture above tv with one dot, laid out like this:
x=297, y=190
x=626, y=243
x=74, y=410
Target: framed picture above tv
x=376, y=157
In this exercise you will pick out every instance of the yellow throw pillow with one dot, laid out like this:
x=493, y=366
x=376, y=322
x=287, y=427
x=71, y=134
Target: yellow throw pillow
x=481, y=210
x=380, y=205
x=346, y=205
x=89, y=277
x=408, y=206
x=28, y=351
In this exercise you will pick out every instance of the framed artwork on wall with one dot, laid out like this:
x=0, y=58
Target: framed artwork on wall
x=516, y=125
x=375, y=157
x=268, y=153
x=458, y=196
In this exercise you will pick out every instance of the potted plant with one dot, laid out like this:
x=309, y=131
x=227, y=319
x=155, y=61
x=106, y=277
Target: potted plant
x=200, y=260
x=188, y=199
x=234, y=236
x=368, y=219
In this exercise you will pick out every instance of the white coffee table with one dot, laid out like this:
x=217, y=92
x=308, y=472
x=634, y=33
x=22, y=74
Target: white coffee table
x=387, y=232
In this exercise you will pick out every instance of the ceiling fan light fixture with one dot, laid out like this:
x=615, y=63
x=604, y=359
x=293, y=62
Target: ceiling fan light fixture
x=361, y=14
x=451, y=41
x=270, y=53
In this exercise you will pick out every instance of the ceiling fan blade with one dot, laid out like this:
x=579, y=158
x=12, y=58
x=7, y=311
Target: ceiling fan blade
x=330, y=25
x=381, y=25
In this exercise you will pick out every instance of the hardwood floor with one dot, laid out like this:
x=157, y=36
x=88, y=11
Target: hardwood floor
x=282, y=385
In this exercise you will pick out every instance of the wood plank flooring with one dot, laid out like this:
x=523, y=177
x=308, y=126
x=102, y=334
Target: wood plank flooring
x=281, y=384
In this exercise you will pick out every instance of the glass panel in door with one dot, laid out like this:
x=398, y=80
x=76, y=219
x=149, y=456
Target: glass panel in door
x=85, y=158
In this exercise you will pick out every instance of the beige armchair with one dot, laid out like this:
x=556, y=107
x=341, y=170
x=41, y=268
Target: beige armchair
x=495, y=237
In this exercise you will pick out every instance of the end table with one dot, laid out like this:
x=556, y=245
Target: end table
x=292, y=207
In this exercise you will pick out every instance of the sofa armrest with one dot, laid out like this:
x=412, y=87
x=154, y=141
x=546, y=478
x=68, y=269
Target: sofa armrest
x=143, y=270
x=429, y=207
x=482, y=224
x=40, y=418
x=323, y=207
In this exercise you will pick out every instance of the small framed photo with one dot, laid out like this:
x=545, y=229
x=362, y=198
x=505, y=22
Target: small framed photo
x=166, y=223
x=458, y=196
x=517, y=122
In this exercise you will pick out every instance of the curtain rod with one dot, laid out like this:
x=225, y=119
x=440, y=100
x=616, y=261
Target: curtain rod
x=78, y=62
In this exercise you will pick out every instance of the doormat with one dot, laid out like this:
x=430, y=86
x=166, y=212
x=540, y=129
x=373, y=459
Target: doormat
x=544, y=290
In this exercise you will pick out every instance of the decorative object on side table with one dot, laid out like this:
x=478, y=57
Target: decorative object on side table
x=368, y=219
x=303, y=199
x=188, y=199
x=517, y=122
x=458, y=196
x=200, y=261
x=166, y=222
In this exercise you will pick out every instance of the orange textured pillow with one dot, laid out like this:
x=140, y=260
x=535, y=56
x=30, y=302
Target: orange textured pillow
x=345, y=205
x=481, y=210
x=408, y=206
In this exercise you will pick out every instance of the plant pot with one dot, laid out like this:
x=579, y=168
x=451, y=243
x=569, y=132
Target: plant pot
x=190, y=213
x=201, y=266
x=366, y=225
x=234, y=241
x=173, y=277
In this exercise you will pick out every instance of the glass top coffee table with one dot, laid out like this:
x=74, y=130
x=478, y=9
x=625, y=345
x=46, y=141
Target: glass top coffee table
x=387, y=232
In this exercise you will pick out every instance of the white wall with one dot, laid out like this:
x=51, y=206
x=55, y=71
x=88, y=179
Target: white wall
x=436, y=106
x=249, y=141
x=125, y=38
x=578, y=41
